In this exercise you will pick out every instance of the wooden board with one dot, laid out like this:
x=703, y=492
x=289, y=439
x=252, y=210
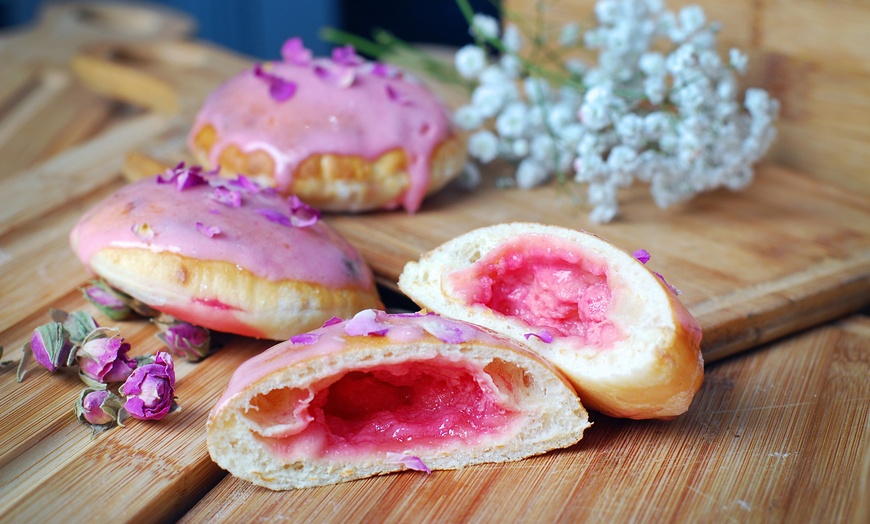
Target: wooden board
x=767, y=436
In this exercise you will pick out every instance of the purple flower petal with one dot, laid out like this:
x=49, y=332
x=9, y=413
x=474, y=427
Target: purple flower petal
x=543, y=335
x=305, y=338
x=275, y=216
x=183, y=177
x=150, y=389
x=295, y=52
x=385, y=71
x=337, y=75
x=642, y=255
x=301, y=214
x=397, y=97
x=672, y=288
x=209, y=231
x=226, y=196
x=280, y=89
x=245, y=184
x=410, y=462
x=447, y=330
x=332, y=321
x=364, y=323
x=346, y=56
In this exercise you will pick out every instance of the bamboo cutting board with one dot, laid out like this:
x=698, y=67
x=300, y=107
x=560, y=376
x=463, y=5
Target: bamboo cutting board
x=766, y=436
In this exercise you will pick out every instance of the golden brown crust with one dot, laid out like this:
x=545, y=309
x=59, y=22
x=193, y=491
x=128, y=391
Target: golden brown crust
x=338, y=182
x=269, y=309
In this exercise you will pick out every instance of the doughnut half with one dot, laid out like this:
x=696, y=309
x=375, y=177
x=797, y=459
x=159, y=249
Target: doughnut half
x=382, y=392
x=613, y=327
x=352, y=137
x=225, y=255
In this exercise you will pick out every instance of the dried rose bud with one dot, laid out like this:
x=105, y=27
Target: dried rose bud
x=51, y=345
x=105, y=299
x=98, y=407
x=185, y=340
x=105, y=360
x=150, y=390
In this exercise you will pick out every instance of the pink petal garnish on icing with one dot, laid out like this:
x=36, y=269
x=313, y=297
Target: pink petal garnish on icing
x=385, y=71
x=305, y=338
x=209, y=231
x=337, y=75
x=295, y=52
x=301, y=213
x=445, y=330
x=642, y=255
x=410, y=461
x=226, y=196
x=395, y=96
x=280, y=89
x=346, y=56
x=275, y=216
x=543, y=335
x=332, y=321
x=245, y=184
x=672, y=288
x=365, y=323
x=182, y=177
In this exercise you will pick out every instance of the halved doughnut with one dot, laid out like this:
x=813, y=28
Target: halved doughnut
x=382, y=392
x=613, y=327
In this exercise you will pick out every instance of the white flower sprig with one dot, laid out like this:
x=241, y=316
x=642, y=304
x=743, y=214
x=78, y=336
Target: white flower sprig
x=670, y=118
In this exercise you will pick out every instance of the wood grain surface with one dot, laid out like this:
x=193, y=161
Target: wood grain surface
x=779, y=433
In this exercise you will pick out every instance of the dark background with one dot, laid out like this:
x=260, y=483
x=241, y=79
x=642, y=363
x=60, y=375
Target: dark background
x=259, y=27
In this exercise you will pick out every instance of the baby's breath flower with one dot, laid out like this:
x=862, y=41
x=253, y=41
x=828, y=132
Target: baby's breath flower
x=483, y=145
x=531, y=173
x=570, y=35
x=484, y=26
x=738, y=60
x=512, y=38
x=470, y=61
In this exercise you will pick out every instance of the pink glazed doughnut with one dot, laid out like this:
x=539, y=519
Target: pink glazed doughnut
x=223, y=254
x=343, y=134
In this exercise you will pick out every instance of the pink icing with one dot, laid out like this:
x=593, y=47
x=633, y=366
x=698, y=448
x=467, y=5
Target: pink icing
x=545, y=282
x=344, y=110
x=381, y=406
x=315, y=254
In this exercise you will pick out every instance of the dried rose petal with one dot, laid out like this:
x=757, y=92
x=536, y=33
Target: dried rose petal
x=275, y=216
x=280, y=89
x=543, y=335
x=245, y=184
x=366, y=322
x=332, y=321
x=104, y=299
x=301, y=214
x=385, y=70
x=183, y=177
x=447, y=331
x=305, y=338
x=209, y=231
x=642, y=255
x=410, y=461
x=397, y=97
x=150, y=390
x=295, y=52
x=186, y=340
x=672, y=288
x=105, y=360
x=51, y=346
x=346, y=56
x=337, y=75
x=226, y=196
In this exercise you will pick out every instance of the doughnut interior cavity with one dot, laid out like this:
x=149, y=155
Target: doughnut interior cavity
x=436, y=403
x=546, y=282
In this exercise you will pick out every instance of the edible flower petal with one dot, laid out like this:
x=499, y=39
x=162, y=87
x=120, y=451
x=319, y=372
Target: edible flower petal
x=245, y=184
x=280, y=89
x=275, y=216
x=143, y=231
x=150, y=389
x=364, y=323
x=98, y=408
x=385, y=70
x=446, y=330
x=226, y=196
x=301, y=214
x=305, y=338
x=346, y=56
x=410, y=461
x=104, y=360
x=295, y=52
x=672, y=288
x=337, y=75
x=395, y=96
x=642, y=255
x=332, y=321
x=183, y=177
x=51, y=346
x=185, y=340
x=543, y=335
x=209, y=231
x=107, y=301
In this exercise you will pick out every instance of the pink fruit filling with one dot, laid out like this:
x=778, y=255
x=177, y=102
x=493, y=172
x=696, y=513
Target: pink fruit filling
x=431, y=404
x=547, y=283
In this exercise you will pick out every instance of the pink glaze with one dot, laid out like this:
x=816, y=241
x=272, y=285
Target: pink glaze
x=546, y=283
x=376, y=113
x=315, y=254
x=386, y=405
